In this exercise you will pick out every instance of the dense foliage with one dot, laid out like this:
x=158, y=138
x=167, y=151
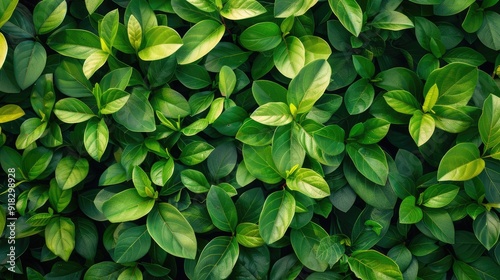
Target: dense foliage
x=207, y=139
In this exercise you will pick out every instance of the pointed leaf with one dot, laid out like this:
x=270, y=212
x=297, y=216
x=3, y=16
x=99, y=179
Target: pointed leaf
x=308, y=182
x=71, y=171
x=161, y=42
x=370, y=264
x=29, y=61
x=221, y=209
x=48, y=15
x=370, y=160
x=421, y=127
x=273, y=114
x=460, y=163
x=199, y=40
x=242, y=9
x=289, y=56
x=276, y=216
x=217, y=258
x=349, y=13
x=60, y=237
x=96, y=137
x=72, y=110
x=127, y=205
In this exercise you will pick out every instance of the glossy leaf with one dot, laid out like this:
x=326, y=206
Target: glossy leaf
x=370, y=160
x=402, y=101
x=60, y=237
x=421, y=127
x=199, y=40
x=259, y=163
x=391, y=20
x=371, y=264
x=221, y=209
x=309, y=183
x=127, y=205
x=489, y=122
x=487, y=33
x=276, y=216
x=171, y=231
x=409, y=213
x=460, y=163
x=48, y=15
x=29, y=61
x=242, y=9
x=217, y=258
x=305, y=242
x=161, y=42
x=261, y=36
x=71, y=171
x=72, y=110
x=132, y=244
x=487, y=229
x=349, y=14
x=76, y=43
x=289, y=56
x=96, y=137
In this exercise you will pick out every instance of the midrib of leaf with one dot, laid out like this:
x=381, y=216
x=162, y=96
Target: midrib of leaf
x=133, y=243
x=218, y=259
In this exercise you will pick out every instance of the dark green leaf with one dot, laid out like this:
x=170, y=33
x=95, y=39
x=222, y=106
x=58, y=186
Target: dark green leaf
x=29, y=62
x=221, y=209
x=487, y=229
x=217, y=258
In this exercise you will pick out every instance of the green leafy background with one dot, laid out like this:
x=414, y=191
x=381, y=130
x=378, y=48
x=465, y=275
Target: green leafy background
x=248, y=139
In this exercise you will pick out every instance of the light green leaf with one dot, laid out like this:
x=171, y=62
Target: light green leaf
x=289, y=56
x=262, y=36
x=71, y=171
x=29, y=62
x=421, y=127
x=6, y=10
x=95, y=61
x=72, y=110
x=134, y=32
x=92, y=5
x=247, y=234
x=370, y=264
x=221, y=209
x=286, y=149
x=259, y=162
x=76, y=43
x=171, y=231
x=199, y=40
x=439, y=195
x=309, y=85
x=48, y=15
x=242, y=9
x=31, y=130
x=460, y=163
x=451, y=7
x=217, y=259
x=273, y=114
x=308, y=182
x=132, y=244
x=255, y=134
x=142, y=183
x=402, y=101
x=195, y=152
x=227, y=81
x=430, y=98
x=489, y=122
x=10, y=112
x=60, y=237
x=108, y=29
x=4, y=48
x=96, y=138
x=290, y=8
x=391, y=20
x=137, y=114
x=349, y=14
x=370, y=160
x=359, y=96
x=171, y=103
x=276, y=216
x=126, y=206
x=204, y=5
x=161, y=42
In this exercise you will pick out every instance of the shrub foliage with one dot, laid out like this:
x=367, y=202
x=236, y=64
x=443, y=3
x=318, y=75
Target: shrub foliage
x=245, y=139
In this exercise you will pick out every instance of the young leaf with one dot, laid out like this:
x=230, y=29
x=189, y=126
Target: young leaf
x=108, y=28
x=276, y=216
x=76, y=43
x=391, y=20
x=409, y=213
x=227, y=81
x=241, y=9
x=221, y=209
x=48, y=15
x=142, y=183
x=10, y=112
x=132, y=244
x=161, y=42
x=96, y=137
x=308, y=182
x=199, y=40
x=29, y=61
x=95, y=61
x=247, y=234
x=289, y=56
x=6, y=10
x=92, y=5
x=489, y=122
x=60, y=237
x=349, y=14
x=171, y=231
x=309, y=85
x=262, y=36
x=134, y=33
x=402, y=101
x=439, y=195
x=286, y=150
x=460, y=163
x=315, y=47
x=72, y=110
x=71, y=171
x=259, y=162
x=421, y=127
x=4, y=48
x=171, y=103
x=273, y=114
x=370, y=264
x=430, y=98
x=127, y=205
x=217, y=258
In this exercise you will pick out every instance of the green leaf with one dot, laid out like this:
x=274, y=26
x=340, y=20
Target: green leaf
x=6, y=10
x=131, y=273
x=286, y=150
x=287, y=267
x=134, y=32
x=132, y=244
x=222, y=160
x=451, y=7
x=467, y=248
x=439, y=224
x=370, y=264
x=273, y=114
x=430, y=98
x=35, y=161
x=488, y=34
x=199, y=40
x=171, y=231
x=359, y=97
x=487, y=229
x=71, y=171
x=308, y=182
x=439, y=195
x=456, y=83
x=305, y=242
x=58, y=198
x=171, y=103
x=127, y=205
x=286, y=8
x=402, y=101
x=364, y=66
x=309, y=85
x=221, y=209
x=142, y=183
x=259, y=162
x=255, y=134
x=162, y=171
x=93, y=62
x=4, y=48
x=489, y=122
x=204, y=5
x=137, y=114
x=409, y=213
x=108, y=28
x=92, y=5
x=195, y=181
x=349, y=14
x=247, y=234
x=262, y=36
x=227, y=81
x=267, y=91
x=70, y=80
x=200, y=101
x=29, y=62
x=193, y=76
x=60, y=237
x=161, y=42
x=30, y=131
x=217, y=258
x=370, y=160
x=460, y=163
x=48, y=15
x=195, y=152
x=104, y=269
x=289, y=56
x=315, y=47
x=113, y=100
x=242, y=9
x=72, y=110
x=474, y=19
x=464, y=271
x=276, y=216
x=76, y=43
x=391, y=20
x=331, y=249
x=464, y=55
x=96, y=138
x=421, y=127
